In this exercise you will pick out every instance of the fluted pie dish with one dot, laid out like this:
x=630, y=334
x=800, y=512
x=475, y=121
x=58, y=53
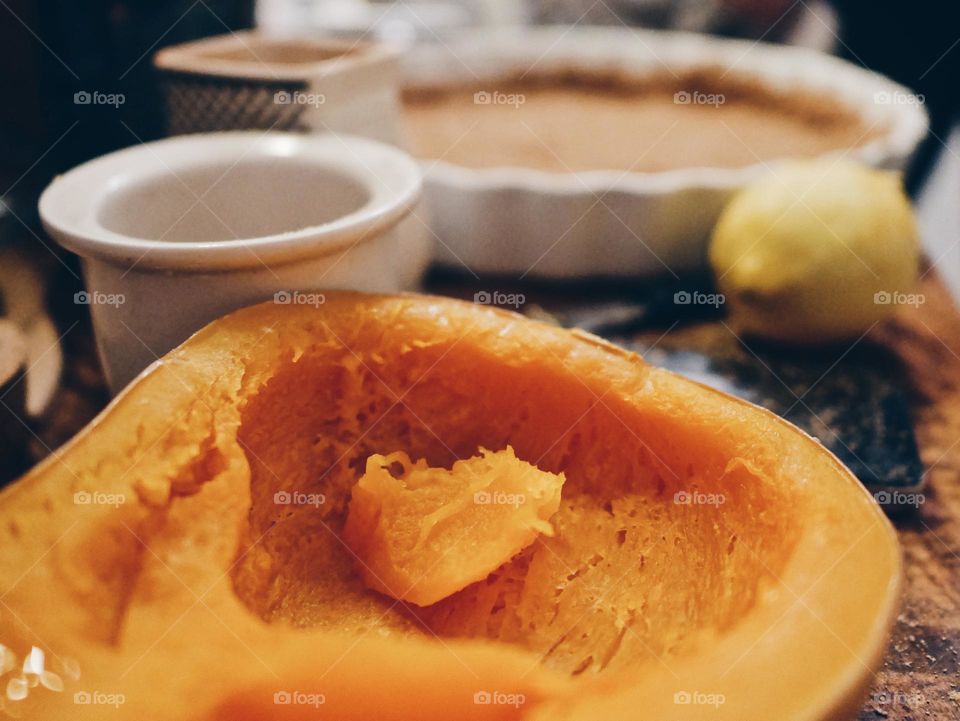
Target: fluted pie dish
x=562, y=151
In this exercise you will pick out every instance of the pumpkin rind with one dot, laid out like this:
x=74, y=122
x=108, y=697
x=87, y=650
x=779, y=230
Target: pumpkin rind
x=778, y=598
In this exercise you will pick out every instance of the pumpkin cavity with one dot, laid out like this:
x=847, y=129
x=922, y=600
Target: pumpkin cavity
x=641, y=536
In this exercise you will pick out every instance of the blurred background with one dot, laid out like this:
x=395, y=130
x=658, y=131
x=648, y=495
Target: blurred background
x=53, y=52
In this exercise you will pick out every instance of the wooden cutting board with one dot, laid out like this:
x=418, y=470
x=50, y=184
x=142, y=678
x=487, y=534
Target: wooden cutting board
x=920, y=678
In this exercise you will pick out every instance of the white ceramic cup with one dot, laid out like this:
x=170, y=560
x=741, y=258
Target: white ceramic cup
x=175, y=233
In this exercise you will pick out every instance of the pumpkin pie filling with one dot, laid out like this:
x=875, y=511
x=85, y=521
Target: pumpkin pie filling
x=575, y=121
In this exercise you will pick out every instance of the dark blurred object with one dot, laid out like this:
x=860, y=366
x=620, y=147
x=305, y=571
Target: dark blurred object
x=770, y=19
x=916, y=44
x=51, y=380
x=77, y=83
x=23, y=287
x=13, y=432
x=78, y=80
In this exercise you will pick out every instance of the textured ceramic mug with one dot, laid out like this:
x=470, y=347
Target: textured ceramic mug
x=249, y=80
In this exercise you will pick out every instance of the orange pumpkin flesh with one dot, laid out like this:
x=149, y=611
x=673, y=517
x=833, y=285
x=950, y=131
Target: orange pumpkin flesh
x=770, y=580
x=425, y=533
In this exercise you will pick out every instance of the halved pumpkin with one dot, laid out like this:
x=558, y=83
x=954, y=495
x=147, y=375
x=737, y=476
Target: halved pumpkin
x=709, y=560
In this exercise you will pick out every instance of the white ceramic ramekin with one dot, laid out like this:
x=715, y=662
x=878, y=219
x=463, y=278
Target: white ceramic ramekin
x=175, y=233
x=517, y=220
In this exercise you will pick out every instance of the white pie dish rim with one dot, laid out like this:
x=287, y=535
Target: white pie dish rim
x=463, y=200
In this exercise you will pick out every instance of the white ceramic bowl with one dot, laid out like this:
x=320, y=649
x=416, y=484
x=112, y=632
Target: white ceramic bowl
x=518, y=220
x=175, y=233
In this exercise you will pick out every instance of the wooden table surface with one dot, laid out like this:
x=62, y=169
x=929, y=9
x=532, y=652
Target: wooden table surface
x=920, y=678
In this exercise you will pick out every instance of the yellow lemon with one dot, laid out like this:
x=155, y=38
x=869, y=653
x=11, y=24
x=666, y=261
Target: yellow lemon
x=817, y=251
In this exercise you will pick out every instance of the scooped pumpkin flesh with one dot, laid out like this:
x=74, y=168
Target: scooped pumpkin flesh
x=422, y=533
x=188, y=548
